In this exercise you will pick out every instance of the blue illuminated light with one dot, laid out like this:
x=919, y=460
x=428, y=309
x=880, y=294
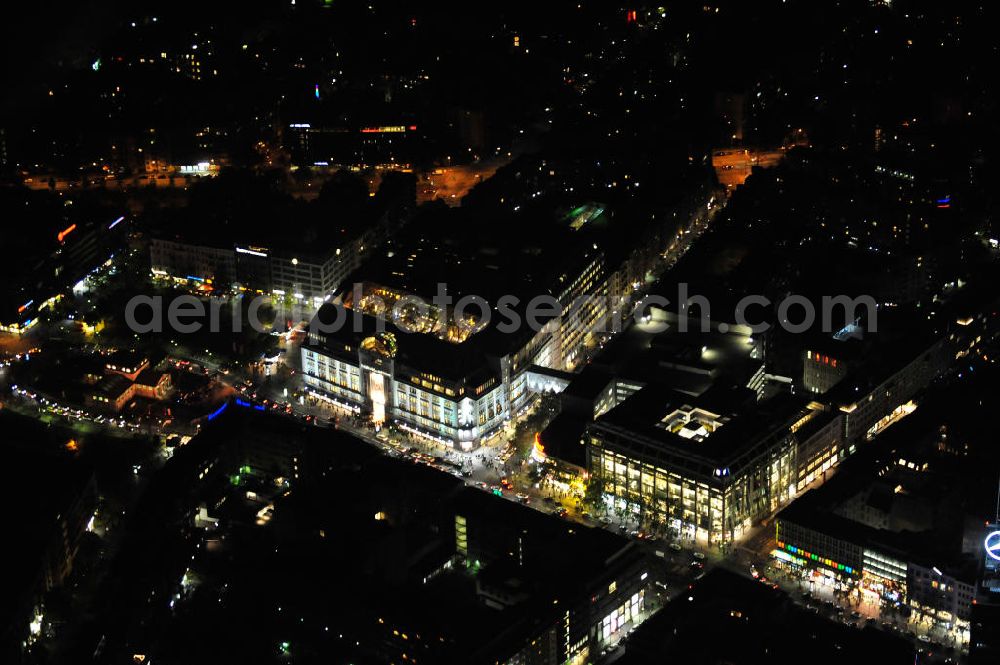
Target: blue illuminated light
x=218, y=412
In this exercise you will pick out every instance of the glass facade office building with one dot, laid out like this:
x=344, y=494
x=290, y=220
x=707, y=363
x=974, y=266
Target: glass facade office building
x=707, y=476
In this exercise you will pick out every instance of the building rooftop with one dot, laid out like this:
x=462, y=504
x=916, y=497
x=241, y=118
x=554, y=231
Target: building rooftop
x=233, y=210
x=921, y=492
x=470, y=360
x=588, y=383
x=125, y=360
x=658, y=351
x=112, y=386
x=882, y=360
x=481, y=253
x=149, y=377
x=549, y=541
x=717, y=427
x=563, y=439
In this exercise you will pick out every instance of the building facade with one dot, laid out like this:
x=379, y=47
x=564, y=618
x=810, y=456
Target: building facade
x=307, y=277
x=433, y=377
x=885, y=573
x=693, y=496
x=363, y=374
x=822, y=371
x=890, y=395
x=669, y=475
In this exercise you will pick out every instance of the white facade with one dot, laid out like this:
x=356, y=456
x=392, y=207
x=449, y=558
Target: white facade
x=421, y=404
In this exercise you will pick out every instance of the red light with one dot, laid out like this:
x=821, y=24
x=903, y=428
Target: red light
x=65, y=232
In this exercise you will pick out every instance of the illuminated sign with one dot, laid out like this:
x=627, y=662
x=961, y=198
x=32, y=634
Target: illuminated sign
x=387, y=129
x=116, y=222
x=65, y=232
x=218, y=412
x=252, y=252
x=810, y=556
x=992, y=545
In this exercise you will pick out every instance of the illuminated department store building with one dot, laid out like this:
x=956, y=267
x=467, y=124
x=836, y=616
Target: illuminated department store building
x=435, y=380
x=710, y=466
x=442, y=380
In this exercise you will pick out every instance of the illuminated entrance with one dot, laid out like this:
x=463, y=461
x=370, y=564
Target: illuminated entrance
x=378, y=351
x=376, y=391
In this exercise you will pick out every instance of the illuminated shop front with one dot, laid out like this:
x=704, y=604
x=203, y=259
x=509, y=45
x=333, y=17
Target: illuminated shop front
x=710, y=499
x=369, y=378
x=884, y=577
x=623, y=616
x=884, y=581
x=806, y=557
x=878, y=575
x=824, y=560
